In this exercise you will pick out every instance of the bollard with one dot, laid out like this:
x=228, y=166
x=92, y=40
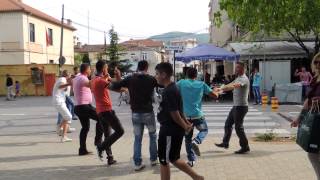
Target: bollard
x=274, y=104
x=264, y=99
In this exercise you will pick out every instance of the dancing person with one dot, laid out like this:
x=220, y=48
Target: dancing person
x=107, y=117
x=173, y=125
x=256, y=86
x=18, y=88
x=240, y=87
x=305, y=78
x=83, y=108
x=59, y=101
x=9, y=85
x=313, y=93
x=141, y=90
x=192, y=92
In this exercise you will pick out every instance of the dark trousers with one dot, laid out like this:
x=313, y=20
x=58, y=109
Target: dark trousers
x=109, y=119
x=236, y=117
x=85, y=113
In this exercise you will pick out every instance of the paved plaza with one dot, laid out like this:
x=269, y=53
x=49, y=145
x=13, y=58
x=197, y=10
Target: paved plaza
x=30, y=148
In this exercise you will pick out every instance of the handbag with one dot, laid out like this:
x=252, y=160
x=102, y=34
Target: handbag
x=308, y=136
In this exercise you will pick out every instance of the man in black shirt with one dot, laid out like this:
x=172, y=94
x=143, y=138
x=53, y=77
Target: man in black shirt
x=9, y=85
x=173, y=125
x=141, y=88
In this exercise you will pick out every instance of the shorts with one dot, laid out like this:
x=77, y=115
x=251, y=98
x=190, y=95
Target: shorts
x=64, y=112
x=169, y=144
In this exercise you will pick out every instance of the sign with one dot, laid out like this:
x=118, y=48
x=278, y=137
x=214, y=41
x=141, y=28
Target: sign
x=174, y=48
x=62, y=60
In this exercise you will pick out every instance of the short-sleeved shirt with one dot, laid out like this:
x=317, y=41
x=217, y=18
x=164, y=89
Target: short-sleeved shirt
x=59, y=94
x=170, y=101
x=82, y=93
x=192, y=92
x=101, y=94
x=9, y=82
x=256, y=80
x=141, y=88
x=241, y=94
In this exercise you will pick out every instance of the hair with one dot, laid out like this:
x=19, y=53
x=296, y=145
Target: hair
x=99, y=65
x=313, y=67
x=76, y=68
x=84, y=67
x=241, y=64
x=64, y=73
x=17, y=81
x=192, y=73
x=143, y=65
x=166, y=68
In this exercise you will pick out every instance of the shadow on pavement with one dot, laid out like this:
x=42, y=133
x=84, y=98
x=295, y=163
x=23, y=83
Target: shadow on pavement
x=22, y=144
x=29, y=158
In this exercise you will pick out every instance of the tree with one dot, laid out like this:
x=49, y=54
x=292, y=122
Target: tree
x=85, y=58
x=298, y=18
x=78, y=59
x=114, y=51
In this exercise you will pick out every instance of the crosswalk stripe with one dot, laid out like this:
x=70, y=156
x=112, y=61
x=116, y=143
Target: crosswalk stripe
x=248, y=131
x=223, y=110
x=226, y=113
x=213, y=118
x=246, y=124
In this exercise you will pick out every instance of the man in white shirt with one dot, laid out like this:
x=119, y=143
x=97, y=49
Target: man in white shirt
x=59, y=101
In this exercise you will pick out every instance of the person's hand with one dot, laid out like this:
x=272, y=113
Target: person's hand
x=69, y=81
x=188, y=128
x=295, y=123
x=107, y=77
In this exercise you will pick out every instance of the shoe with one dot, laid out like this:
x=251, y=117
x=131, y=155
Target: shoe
x=154, y=163
x=191, y=163
x=243, y=151
x=196, y=149
x=255, y=103
x=84, y=153
x=59, y=130
x=99, y=153
x=139, y=167
x=260, y=103
x=222, y=145
x=71, y=129
x=111, y=161
x=74, y=118
x=65, y=139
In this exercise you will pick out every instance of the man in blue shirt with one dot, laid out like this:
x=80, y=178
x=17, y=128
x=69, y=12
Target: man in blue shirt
x=192, y=92
x=256, y=86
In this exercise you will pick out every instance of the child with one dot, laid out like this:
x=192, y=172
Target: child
x=17, y=89
x=173, y=125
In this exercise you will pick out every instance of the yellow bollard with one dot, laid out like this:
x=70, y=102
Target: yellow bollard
x=274, y=104
x=264, y=99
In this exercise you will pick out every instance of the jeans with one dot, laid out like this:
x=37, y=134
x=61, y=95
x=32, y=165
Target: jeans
x=256, y=93
x=139, y=120
x=109, y=120
x=202, y=127
x=315, y=161
x=85, y=113
x=70, y=106
x=236, y=116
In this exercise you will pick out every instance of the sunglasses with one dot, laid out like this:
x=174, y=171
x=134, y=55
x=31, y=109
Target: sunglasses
x=316, y=62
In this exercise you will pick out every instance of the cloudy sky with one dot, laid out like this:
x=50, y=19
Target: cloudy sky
x=132, y=18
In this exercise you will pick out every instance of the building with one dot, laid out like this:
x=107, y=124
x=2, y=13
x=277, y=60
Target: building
x=30, y=36
x=30, y=47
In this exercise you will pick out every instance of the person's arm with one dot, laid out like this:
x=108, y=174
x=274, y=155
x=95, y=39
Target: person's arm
x=305, y=108
x=310, y=77
x=208, y=91
x=296, y=73
x=65, y=84
x=180, y=121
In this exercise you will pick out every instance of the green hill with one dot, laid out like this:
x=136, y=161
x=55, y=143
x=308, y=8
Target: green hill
x=201, y=38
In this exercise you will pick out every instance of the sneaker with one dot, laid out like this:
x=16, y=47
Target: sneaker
x=154, y=163
x=255, y=103
x=65, y=139
x=71, y=129
x=191, y=163
x=74, y=118
x=99, y=153
x=139, y=168
x=196, y=149
x=59, y=130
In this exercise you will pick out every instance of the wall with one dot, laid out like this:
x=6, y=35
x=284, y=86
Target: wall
x=22, y=73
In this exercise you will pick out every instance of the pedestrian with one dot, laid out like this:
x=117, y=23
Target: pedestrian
x=256, y=86
x=173, y=125
x=240, y=87
x=313, y=93
x=83, y=108
x=141, y=90
x=192, y=92
x=17, y=87
x=9, y=85
x=107, y=117
x=59, y=101
x=305, y=78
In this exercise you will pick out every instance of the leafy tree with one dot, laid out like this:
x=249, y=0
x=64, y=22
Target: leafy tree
x=298, y=18
x=85, y=58
x=114, y=51
x=78, y=59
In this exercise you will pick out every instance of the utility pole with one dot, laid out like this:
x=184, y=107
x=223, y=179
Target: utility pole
x=61, y=40
x=88, y=28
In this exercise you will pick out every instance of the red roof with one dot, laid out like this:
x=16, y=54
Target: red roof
x=18, y=6
x=144, y=42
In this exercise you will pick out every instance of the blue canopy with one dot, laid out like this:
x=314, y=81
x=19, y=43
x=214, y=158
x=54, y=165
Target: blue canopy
x=205, y=52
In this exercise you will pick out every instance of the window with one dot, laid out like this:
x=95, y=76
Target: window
x=32, y=32
x=50, y=37
x=51, y=61
x=144, y=56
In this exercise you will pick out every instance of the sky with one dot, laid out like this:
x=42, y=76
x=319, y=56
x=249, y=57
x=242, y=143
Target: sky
x=132, y=19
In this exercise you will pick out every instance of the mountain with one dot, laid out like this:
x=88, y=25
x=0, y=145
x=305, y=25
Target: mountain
x=201, y=38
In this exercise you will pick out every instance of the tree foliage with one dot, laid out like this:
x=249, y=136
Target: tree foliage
x=296, y=17
x=86, y=59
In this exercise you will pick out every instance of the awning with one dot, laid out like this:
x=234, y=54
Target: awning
x=269, y=50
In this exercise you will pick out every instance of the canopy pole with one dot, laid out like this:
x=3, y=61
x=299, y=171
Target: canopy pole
x=174, y=65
